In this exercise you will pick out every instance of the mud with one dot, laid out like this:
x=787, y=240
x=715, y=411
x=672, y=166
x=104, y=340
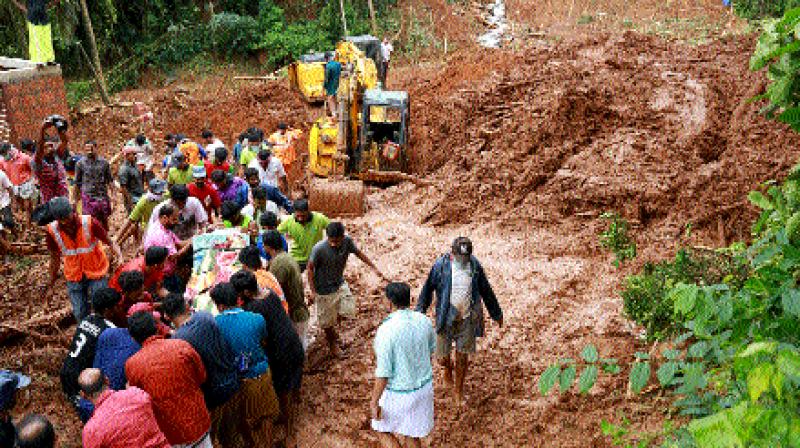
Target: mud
x=658, y=131
x=525, y=149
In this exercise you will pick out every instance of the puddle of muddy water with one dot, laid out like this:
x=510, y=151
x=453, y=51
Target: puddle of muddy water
x=498, y=25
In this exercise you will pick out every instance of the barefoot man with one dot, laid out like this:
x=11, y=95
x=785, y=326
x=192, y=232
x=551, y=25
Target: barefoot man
x=461, y=285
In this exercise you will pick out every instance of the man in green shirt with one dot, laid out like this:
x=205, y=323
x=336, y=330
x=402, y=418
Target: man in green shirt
x=306, y=229
x=287, y=272
x=181, y=173
x=250, y=152
x=140, y=215
x=232, y=217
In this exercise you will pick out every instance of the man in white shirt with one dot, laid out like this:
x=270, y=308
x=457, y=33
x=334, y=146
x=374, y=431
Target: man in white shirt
x=386, y=52
x=6, y=190
x=270, y=170
x=210, y=142
x=192, y=217
x=6, y=214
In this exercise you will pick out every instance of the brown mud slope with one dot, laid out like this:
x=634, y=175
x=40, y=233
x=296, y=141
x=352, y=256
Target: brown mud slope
x=656, y=130
x=226, y=106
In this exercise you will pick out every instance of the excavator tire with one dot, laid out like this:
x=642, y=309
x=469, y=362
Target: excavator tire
x=337, y=198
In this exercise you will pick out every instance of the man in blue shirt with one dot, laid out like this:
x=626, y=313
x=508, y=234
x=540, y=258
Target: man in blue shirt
x=333, y=70
x=114, y=347
x=462, y=290
x=402, y=398
x=222, y=389
x=246, y=332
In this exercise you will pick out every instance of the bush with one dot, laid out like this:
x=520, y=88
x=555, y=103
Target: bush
x=232, y=34
x=759, y=9
x=646, y=296
x=79, y=91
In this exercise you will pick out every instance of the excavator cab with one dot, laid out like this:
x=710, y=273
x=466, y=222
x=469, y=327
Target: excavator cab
x=384, y=132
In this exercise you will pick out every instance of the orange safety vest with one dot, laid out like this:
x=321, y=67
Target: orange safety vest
x=84, y=255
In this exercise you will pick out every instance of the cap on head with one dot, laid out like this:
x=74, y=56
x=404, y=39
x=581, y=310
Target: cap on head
x=157, y=186
x=198, y=172
x=9, y=383
x=60, y=208
x=283, y=126
x=462, y=246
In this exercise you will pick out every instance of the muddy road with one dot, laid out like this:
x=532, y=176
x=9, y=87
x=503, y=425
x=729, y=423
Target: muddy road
x=524, y=148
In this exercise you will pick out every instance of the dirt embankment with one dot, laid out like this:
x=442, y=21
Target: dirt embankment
x=655, y=130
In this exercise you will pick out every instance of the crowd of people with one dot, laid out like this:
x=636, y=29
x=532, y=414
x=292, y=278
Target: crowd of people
x=144, y=367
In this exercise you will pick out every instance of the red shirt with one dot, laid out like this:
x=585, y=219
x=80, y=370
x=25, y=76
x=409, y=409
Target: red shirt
x=18, y=169
x=211, y=167
x=151, y=279
x=123, y=419
x=171, y=371
x=207, y=195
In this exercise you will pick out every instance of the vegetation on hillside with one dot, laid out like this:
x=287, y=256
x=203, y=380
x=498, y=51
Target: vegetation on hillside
x=728, y=319
x=136, y=37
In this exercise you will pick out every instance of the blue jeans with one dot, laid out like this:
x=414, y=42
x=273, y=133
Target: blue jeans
x=80, y=295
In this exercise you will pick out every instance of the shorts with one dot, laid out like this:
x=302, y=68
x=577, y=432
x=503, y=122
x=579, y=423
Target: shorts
x=27, y=190
x=7, y=218
x=408, y=414
x=331, y=306
x=462, y=332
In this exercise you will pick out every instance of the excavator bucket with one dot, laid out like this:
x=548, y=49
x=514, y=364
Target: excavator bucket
x=337, y=198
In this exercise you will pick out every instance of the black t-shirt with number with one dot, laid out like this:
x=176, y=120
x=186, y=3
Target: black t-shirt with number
x=81, y=351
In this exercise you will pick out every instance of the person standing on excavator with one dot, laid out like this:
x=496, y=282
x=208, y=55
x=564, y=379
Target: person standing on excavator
x=461, y=285
x=333, y=70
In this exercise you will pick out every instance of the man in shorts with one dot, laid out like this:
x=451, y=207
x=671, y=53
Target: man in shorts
x=333, y=71
x=17, y=166
x=402, y=398
x=326, y=279
x=460, y=285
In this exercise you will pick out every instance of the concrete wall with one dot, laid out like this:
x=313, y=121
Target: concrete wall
x=28, y=93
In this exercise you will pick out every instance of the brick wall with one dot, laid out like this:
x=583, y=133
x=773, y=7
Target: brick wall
x=28, y=101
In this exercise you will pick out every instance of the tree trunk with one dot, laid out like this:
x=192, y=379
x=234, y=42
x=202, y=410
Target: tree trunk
x=373, y=22
x=97, y=78
x=344, y=19
x=98, y=69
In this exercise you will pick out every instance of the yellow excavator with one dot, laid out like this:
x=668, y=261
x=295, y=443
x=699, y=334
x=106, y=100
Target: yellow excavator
x=366, y=143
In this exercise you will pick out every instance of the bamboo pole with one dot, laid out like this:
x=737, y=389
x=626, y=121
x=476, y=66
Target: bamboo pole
x=344, y=19
x=98, y=69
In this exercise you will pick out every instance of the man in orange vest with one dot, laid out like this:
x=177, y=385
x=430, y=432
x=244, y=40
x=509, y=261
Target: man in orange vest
x=79, y=240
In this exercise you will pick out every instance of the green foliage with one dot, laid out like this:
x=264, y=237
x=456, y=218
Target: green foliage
x=736, y=367
x=565, y=371
x=78, y=91
x=778, y=50
x=616, y=238
x=659, y=297
x=758, y=9
x=159, y=35
x=230, y=34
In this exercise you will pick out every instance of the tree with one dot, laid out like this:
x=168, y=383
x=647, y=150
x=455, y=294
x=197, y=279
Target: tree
x=98, y=69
